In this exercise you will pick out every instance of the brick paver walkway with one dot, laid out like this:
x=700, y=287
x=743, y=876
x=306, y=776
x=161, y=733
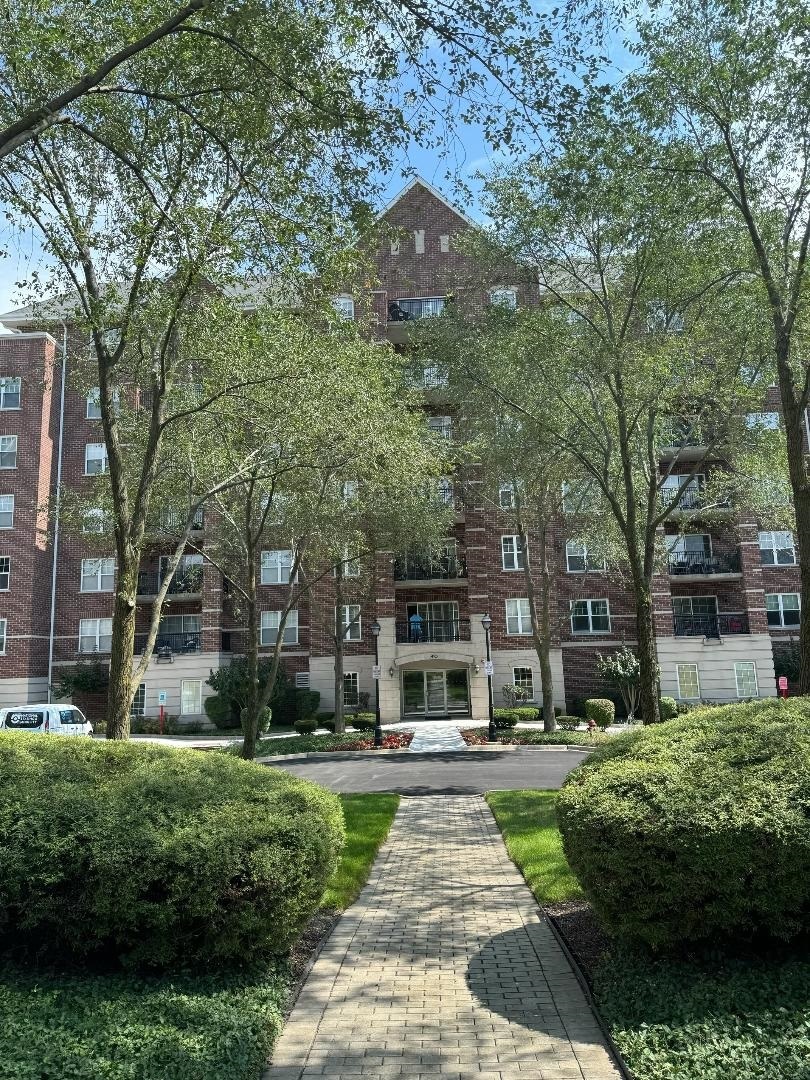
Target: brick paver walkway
x=442, y=969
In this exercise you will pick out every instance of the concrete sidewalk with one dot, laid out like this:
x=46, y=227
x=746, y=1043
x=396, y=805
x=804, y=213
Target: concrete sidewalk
x=442, y=969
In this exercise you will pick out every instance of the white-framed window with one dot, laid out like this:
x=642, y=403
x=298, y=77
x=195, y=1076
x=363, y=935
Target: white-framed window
x=98, y=575
x=663, y=320
x=270, y=622
x=444, y=243
x=783, y=609
x=506, y=495
x=93, y=409
x=138, y=706
x=344, y=306
x=10, y=389
x=441, y=425
x=763, y=421
x=689, y=549
x=180, y=626
x=350, y=567
x=745, y=676
x=95, y=459
x=190, y=696
x=419, y=241
x=694, y=605
x=518, y=619
x=690, y=496
x=348, y=490
x=590, y=616
x=95, y=635
x=777, y=549
x=6, y=511
x=579, y=560
x=524, y=678
x=3, y=627
x=395, y=247
x=276, y=567
x=94, y=520
x=504, y=297
x=5, y=573
x=579, y=499
x=8, y=451
x=351, y=689
x=512, y=553
x=350, y=622
x=688, y=680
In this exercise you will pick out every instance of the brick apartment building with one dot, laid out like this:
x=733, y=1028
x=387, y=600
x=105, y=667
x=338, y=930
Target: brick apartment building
x=731, y=592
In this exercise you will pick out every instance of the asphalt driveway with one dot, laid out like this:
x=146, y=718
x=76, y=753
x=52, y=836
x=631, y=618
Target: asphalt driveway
x=463, y=773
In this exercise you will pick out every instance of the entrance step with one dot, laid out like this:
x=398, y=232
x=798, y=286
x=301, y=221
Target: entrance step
x=437, y=737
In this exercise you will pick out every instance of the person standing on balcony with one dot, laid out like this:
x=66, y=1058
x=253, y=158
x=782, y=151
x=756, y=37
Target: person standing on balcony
x=415, y=626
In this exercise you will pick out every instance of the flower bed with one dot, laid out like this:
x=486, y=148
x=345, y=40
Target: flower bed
x=312, y=744
x=479, y=737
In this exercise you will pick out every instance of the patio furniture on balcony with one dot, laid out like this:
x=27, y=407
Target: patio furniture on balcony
x=416, y=308
x=187, y=581
x=697, y=562
x=416, y=568
x=188, y=642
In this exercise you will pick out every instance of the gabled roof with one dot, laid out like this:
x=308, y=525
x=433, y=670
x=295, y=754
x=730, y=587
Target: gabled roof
x=420, y=181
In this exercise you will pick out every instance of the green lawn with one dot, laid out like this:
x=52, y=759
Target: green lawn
x=58, y=1026
x=718, y=1018
x=529, y=826
x=368, y=819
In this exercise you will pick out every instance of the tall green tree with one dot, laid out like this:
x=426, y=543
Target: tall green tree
x=629, y=341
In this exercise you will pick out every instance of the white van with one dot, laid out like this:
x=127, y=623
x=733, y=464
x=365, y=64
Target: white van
x=42, y=719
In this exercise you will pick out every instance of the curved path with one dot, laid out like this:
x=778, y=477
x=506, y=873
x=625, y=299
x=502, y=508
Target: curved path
x=443, y=970
x=467, y=772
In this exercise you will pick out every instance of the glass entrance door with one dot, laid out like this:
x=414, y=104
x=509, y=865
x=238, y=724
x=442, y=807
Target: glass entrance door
x=435, y=693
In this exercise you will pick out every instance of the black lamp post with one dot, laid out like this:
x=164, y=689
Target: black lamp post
x=375, y=633
x=486, y=622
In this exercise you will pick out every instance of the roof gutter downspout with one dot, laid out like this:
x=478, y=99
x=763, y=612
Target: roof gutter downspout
x=57, y=509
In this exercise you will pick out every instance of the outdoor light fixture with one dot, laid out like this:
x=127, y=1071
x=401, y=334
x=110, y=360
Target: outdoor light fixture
x=375, y=633
x=391, y=671
x=486, y=622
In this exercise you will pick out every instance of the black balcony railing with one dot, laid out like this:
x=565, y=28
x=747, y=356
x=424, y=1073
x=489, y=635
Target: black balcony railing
x=432, y=630
x=184, y=581
x=711, y=626
x=189, y=642
x=421, y=308
x=171, y=521
x=414, y=568
x=696, y=562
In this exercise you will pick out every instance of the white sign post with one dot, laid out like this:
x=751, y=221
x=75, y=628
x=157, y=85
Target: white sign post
x=488, y=668
x=376, y=671
x=162, y=697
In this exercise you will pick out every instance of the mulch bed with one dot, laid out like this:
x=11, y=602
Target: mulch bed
x=583, y=934
x=398, y=741
x=305, y=950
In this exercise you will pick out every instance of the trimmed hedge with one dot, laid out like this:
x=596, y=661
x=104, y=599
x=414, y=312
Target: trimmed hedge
x=306, y=726
x=568, y=723
x=362, y=721
x=698, y=828
x=157, y=856
x=505, y=718
x=601, y=710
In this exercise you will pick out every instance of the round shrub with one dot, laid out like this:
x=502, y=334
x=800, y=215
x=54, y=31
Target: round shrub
x=306, y=726
x=568, y=723
x=326, y=720
x=668, y=708
x=157, y=856
x=363, y=721
x=699, y=828
x=601, y=710
x=526, y=714
x=505, y=718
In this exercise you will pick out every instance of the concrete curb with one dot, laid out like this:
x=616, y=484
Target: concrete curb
x=332, y=755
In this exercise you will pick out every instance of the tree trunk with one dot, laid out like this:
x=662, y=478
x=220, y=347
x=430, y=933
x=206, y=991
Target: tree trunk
x=649, y=689
x=122, y=650
x=250, y=717
x=340, y=719
x=541, y=620
x=794, y=416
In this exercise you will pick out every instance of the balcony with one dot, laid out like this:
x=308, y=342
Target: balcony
x=184, y=583
x=688, y=564
x=432, y=630
x=188, y=642
x=173, y=522
x=416, y=568
x=418, y=308
x=711, y=626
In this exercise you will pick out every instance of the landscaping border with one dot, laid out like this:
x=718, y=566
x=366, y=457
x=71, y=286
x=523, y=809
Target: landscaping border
x=622, y=1065
x=330, y=755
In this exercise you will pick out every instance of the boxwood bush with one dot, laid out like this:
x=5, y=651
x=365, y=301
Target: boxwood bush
x=601, y=710
x=155, y=855
x=698, y=828
x=505, y=718
x=306, y=725
x=361, y=721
